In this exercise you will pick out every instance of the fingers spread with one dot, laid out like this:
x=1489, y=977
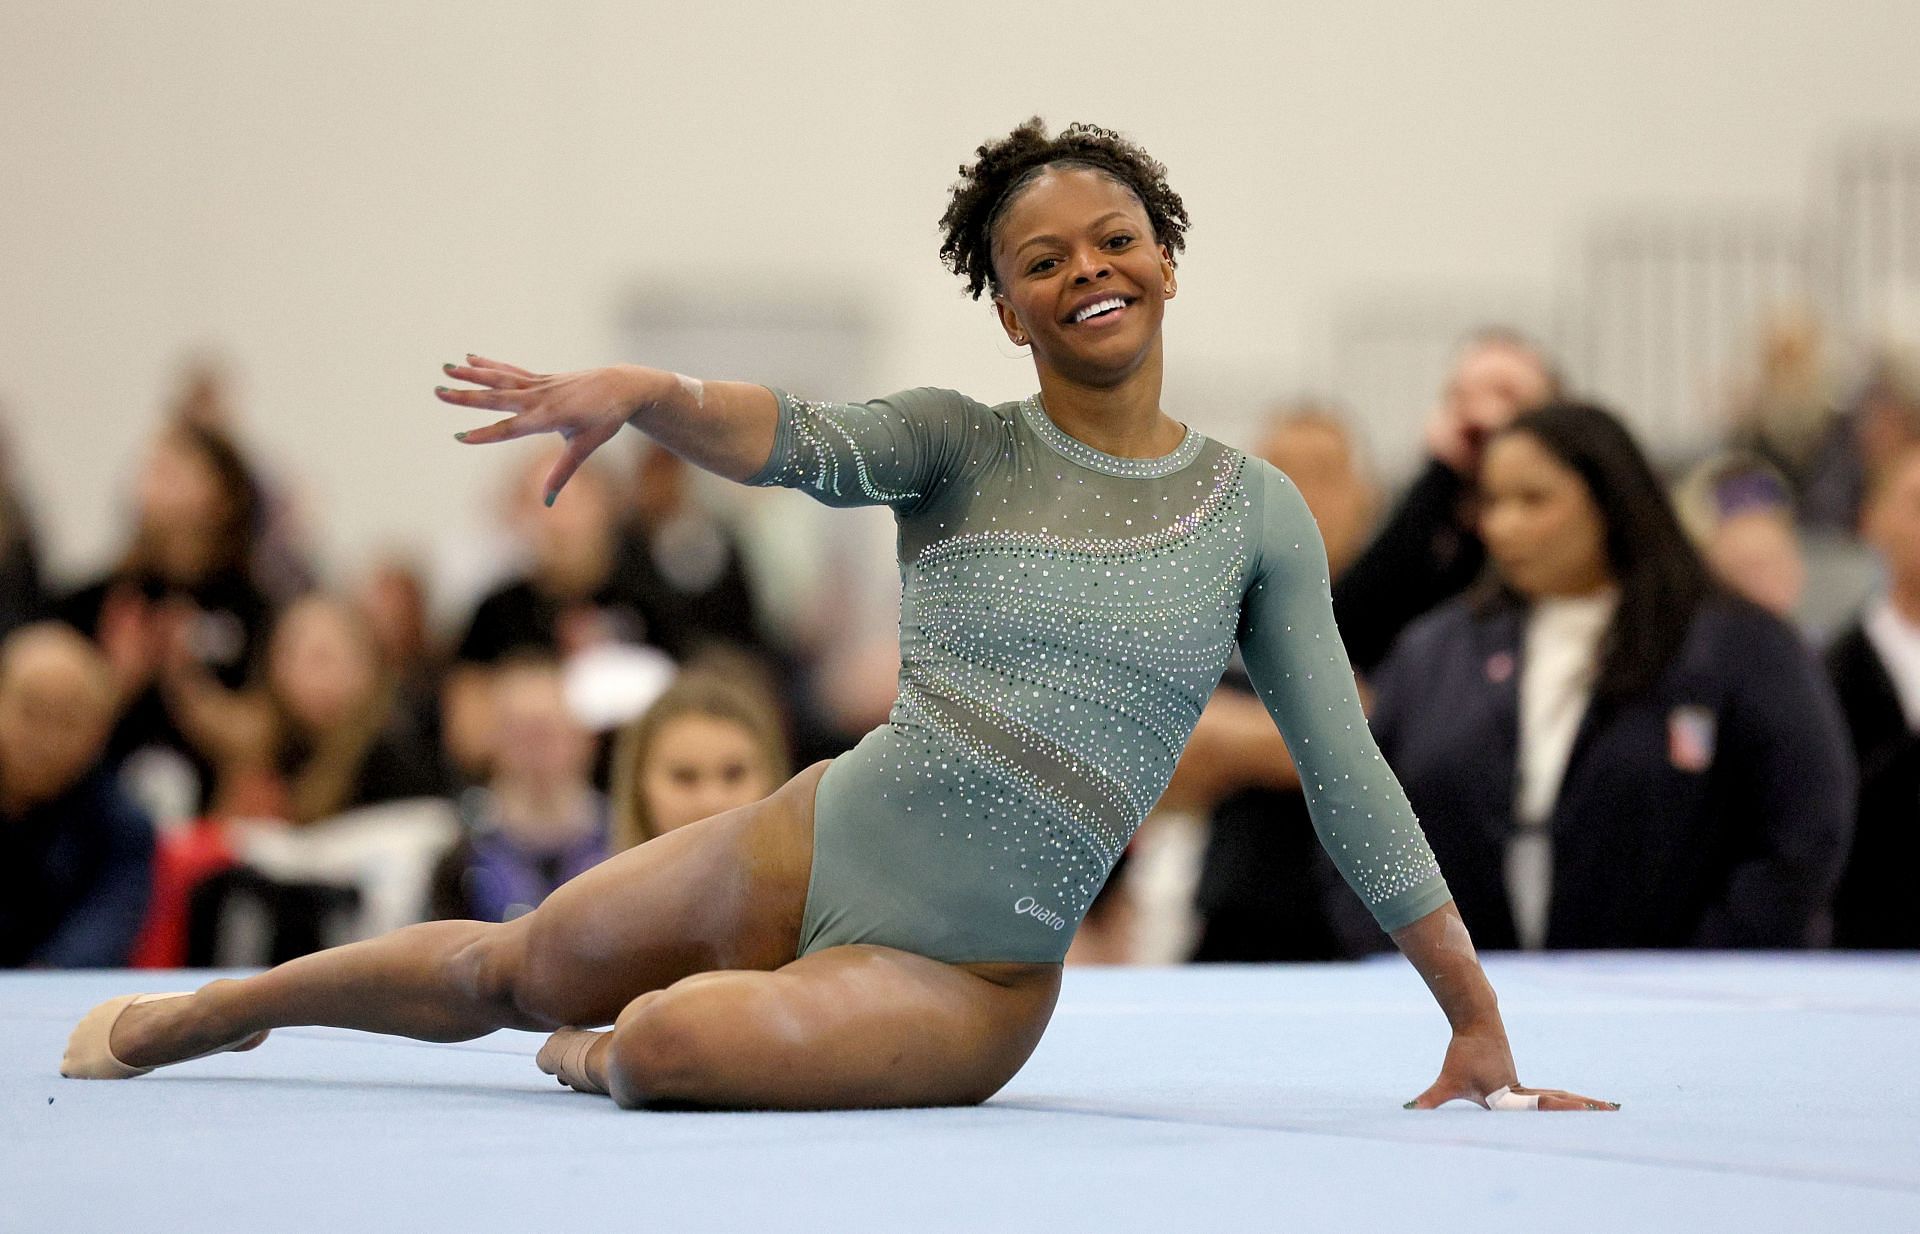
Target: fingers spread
x=498, y=366
x=576, y=454
x=503, y=430
x=1434, y=1098
x=498, y=379
x=492, y=400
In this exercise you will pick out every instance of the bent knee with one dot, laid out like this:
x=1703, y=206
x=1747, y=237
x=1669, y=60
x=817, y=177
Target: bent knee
x=673, y=1045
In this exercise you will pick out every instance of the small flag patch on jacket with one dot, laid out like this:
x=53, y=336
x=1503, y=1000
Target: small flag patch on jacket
x=1690, y=734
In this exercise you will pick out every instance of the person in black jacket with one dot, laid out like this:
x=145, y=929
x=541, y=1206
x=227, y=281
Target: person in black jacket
x=1429, y=550
x=1875, y=665
x=75, y=854
x=1605, y=751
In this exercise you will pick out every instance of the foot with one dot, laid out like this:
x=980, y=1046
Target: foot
x=564, y=1057
x=133, y=1034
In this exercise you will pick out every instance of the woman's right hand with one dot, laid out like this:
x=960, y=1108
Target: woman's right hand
x=586, y=408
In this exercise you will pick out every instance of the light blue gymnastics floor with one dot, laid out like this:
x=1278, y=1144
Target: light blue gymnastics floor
x=1760, y=1093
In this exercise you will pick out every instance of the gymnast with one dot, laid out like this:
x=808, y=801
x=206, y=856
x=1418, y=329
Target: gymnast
x=887, y=928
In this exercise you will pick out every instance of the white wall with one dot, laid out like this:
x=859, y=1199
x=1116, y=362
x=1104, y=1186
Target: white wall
x=338, y=197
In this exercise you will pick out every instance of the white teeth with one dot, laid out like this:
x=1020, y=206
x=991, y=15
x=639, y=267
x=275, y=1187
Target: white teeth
x=1098, y=306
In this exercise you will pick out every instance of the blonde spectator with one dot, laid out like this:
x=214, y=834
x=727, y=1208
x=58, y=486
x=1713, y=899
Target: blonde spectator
x=706, y=746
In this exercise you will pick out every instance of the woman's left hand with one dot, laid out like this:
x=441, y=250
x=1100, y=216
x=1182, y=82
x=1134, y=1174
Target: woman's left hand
x=1480, y=1065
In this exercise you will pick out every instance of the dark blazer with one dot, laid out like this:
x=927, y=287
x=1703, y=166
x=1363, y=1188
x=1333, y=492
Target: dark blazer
x=75, y=874
x=1873, y=907
x=1712, y=812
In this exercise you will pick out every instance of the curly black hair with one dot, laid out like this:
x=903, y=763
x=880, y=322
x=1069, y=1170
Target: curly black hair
x=1008, y=164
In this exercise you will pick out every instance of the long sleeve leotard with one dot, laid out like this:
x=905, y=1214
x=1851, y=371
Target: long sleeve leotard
x=1065, y=614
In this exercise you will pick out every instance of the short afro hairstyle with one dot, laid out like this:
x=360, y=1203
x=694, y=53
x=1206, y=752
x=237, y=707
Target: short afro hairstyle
x=1008, y=164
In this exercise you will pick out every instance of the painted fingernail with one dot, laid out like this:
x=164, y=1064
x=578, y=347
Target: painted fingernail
x=447, y=368
x=550, y=497
x=459, y=436
x=441, y=390
x=1407, y=1106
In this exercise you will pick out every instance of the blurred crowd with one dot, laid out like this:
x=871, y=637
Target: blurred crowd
x=1634, y=706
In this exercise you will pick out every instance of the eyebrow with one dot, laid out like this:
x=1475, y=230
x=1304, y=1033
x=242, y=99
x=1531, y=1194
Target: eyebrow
x=1051, y=239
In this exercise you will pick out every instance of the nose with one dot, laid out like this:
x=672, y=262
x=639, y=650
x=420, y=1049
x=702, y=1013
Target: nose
x=1090, y=265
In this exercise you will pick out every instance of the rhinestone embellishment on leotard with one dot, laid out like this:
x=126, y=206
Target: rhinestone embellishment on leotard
x=1099, y=460
x=1065, y=614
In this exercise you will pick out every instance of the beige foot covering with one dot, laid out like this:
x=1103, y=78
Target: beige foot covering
x=89, y=1055
x=565, y=1058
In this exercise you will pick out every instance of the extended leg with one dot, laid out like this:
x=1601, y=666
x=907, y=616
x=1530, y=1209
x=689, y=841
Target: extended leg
x=441, y=981
x=727, y=891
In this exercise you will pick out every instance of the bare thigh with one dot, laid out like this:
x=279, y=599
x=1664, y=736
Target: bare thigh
x=727, y=892
x=854, y=1026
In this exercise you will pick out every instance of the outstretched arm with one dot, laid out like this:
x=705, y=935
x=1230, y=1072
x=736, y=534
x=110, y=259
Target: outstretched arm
x=1363, y=818
x=727, y=427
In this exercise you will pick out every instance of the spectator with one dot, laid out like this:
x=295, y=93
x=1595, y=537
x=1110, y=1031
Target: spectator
x=1738, y=513
x=572, y=599
x=181, y=603
x=1882, y=420
x=392, y=599
x=1791, y=416
x=1875, y=665
x=75, y=853
x=281, y=561
x=1604, y=750
x=1428, y=551
x=538, y=821
x=683, y=565
x=707, y=745
x=324, y=735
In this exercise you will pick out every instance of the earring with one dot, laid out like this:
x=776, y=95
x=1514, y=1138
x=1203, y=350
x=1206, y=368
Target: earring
x=1019, y=340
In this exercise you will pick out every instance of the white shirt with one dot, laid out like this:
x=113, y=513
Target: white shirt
x=1559, y=662
x=1897, y=641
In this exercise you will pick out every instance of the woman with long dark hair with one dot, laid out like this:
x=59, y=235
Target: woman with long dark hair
x=181, y=609
x=887, y=929
x=1604, y=748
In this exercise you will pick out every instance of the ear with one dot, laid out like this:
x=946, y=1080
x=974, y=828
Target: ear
x=1010, y=321
x=1169, y=280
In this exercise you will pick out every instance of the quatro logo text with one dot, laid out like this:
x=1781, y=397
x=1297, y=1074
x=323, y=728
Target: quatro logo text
x=1027, y=906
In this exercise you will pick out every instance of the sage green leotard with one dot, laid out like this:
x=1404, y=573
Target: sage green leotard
x=1064, y=615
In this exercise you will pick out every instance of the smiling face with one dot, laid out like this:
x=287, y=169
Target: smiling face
x=1079, y=275
x=1541, y=525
